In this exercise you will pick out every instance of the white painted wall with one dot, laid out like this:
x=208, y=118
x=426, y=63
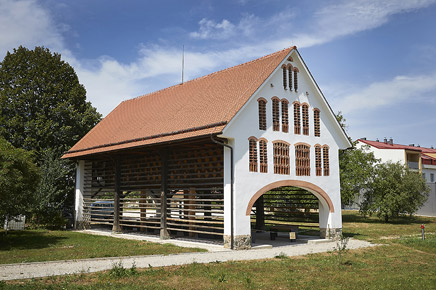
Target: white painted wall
x=78, y=205
x=391, y=155
x=246, y=124
x=428, y=170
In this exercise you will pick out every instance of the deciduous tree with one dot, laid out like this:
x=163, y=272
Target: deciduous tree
x=42, y=104
x=356, y=168
x=356, y=172
x=18, y=180
x=395, y=190
x=43, y=109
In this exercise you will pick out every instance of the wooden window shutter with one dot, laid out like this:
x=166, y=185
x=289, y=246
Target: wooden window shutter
x=296, y=79
x=276, y=114
x=318, y=160
x=305, y=119
x=325, y=157
x=253, y=154
x=297, y=126
x=281, y=158
x=302, y=160
x=263, y=156
x=285, y=116
x=285, y=77
x=316, y=122
x=262, y=114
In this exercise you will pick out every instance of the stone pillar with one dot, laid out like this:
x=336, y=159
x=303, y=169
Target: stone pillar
x=78, y=205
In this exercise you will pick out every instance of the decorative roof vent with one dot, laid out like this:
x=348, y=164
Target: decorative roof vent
x=385, y=140
x=391, y=141
x=412, y=145
x=363, y=138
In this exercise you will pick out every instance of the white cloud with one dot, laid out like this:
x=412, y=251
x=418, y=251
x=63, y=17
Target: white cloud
x=210, y=29
x=381, y=94
x=25, y=22
x=329, y=22
x=350, y=17
x=249, y=27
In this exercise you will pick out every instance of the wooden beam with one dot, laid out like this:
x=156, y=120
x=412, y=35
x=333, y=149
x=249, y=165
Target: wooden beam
x=191, y=213
x=116, y=224
x=163, y=195
x=143, y=209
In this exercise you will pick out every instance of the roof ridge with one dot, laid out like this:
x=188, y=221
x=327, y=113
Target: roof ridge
x=213, y=73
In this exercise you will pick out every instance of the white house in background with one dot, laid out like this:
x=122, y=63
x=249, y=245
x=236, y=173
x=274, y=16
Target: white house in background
x=414, y=157
x=276, y=127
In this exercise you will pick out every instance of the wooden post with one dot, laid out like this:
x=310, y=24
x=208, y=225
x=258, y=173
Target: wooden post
x=191, y=212
x=143, y=211
x=260, y=213
x=116, y=224
x=163, y=196
x=207, y=210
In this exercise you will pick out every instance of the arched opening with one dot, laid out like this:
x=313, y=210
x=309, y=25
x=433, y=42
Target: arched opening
x=285, y=211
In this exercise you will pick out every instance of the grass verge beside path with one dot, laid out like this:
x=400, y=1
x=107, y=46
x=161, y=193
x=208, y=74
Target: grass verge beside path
x=396, y=266
x=403, y=262
x=45, y=245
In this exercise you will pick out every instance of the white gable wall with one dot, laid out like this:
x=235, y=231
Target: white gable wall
x=246, y=124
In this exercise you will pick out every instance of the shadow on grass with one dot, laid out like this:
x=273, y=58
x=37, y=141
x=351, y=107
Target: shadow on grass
x=23, y=240
x=351, y=234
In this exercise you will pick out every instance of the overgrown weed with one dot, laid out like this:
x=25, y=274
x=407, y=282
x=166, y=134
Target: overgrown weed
x=118, y=270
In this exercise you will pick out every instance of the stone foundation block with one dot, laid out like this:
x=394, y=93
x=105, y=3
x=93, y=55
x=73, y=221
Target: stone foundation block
x=242, y=242
x=333, y=234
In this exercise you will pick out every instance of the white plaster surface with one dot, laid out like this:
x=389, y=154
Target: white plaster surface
x=391, y=155
x=246, y=124
x=80, y=179
x=53, y=268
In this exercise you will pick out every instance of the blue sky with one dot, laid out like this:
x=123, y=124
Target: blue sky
x=374, y=60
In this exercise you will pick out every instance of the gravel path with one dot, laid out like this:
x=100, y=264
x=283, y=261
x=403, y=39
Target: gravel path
x=42, y=269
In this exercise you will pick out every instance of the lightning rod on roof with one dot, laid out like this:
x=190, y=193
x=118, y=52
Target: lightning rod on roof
x=183, y=61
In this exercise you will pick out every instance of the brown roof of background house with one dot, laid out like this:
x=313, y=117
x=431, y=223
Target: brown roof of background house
x=196, y=108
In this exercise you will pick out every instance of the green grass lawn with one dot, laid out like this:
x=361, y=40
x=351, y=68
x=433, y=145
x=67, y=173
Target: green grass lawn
x=45, y=245
x=403, y=261
x=373, y=229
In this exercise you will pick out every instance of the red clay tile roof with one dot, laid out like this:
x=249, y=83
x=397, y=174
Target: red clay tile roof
x=382, y=145
x=196, y=108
